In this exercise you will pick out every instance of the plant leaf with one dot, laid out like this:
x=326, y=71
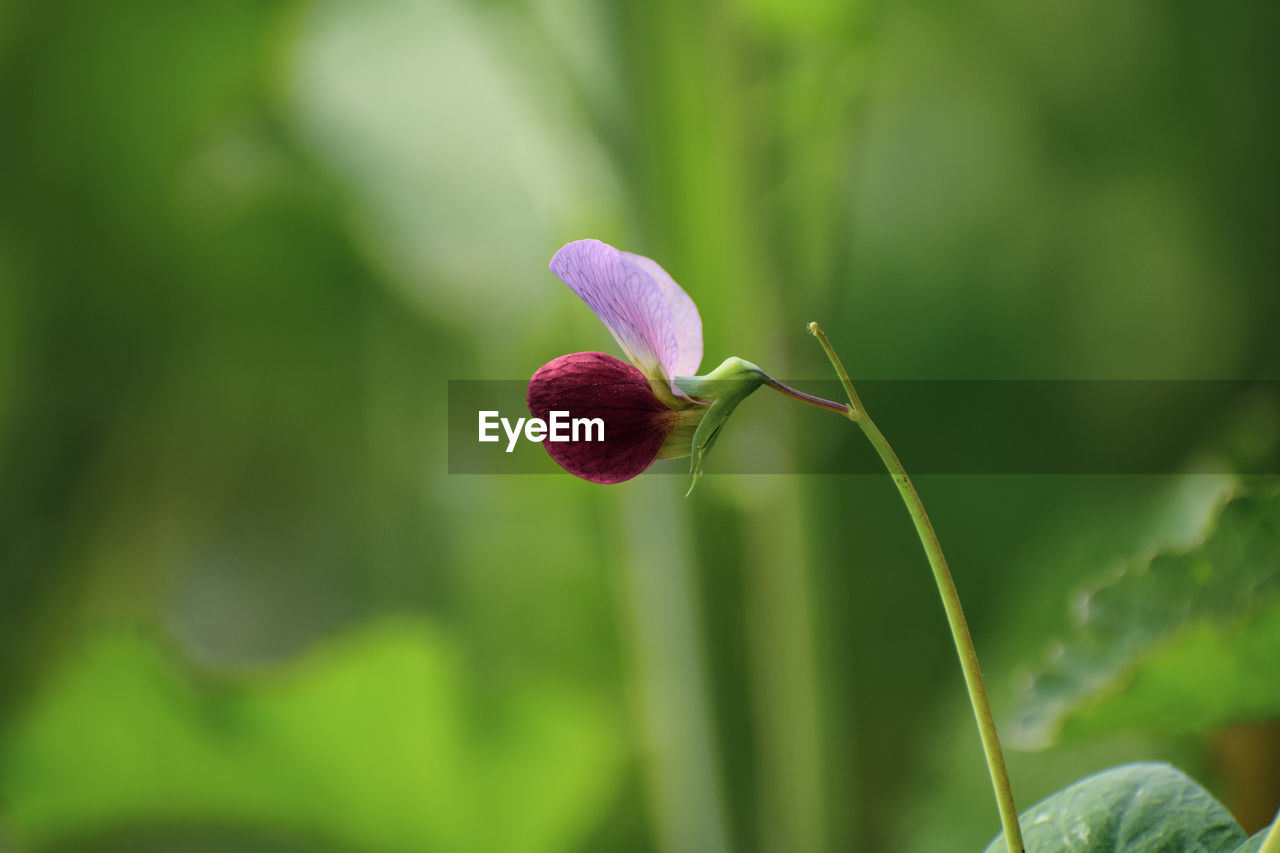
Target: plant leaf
x=1136, y=808
x=1254, y=844
x=1174, y=644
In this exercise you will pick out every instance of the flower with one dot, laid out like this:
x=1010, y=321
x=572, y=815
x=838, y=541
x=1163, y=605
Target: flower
x=655, y=407
x=638, y=426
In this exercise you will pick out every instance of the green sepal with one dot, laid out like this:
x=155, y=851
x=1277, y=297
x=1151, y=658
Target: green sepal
x=726, y=386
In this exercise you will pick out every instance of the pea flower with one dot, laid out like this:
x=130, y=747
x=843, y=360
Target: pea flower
x=653, y=408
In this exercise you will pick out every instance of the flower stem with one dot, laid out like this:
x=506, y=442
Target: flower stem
x=951, y=603
x=803, y=397
x=1271, y=844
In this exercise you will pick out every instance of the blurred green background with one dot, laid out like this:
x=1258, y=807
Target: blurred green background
x=244, y=245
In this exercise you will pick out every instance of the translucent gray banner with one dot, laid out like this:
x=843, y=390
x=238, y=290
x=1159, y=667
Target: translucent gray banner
x=1064, y=427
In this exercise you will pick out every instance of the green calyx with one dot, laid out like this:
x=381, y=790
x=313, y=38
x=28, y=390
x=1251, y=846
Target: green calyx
x=724, y=388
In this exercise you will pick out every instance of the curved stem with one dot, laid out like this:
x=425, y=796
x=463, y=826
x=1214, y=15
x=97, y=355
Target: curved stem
x=816, y=331
x=1271, y=844
x=950, y=602
x=803, y=397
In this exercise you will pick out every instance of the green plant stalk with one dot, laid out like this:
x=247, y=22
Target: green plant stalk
x=947, y=588
x=1271, y=844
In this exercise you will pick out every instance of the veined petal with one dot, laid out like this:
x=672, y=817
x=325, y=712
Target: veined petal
x=597, y=385
x=651, y=317
x=684, y=315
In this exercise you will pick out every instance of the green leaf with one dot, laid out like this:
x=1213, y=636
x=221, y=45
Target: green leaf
x=1137, y=808
x=1173, y=644
x=376, y=741
x=1254, y=844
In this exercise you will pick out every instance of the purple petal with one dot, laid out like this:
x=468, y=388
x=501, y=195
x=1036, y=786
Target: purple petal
x=652, y=319
x=688, y=323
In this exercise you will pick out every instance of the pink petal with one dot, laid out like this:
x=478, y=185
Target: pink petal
x=684, y=314
x=654, y=321
x=596, y=385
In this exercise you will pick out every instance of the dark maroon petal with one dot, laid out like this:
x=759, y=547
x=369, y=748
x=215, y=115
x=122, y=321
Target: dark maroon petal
x=596, y=385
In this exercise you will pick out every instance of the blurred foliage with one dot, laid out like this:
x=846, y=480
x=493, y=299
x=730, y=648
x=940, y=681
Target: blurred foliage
x=243, y=245
x=374, y=742
x=1172, y=643
x=1138, y=808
